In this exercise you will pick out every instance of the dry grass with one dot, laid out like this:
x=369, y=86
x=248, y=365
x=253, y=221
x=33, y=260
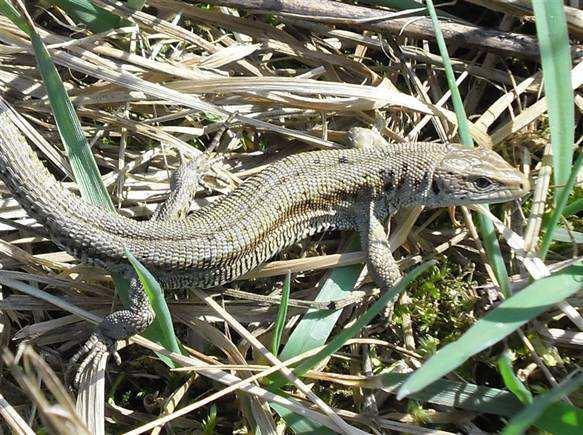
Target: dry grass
x=151, y=95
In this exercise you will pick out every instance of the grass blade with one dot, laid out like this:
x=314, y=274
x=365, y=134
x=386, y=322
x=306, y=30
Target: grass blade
x=456, y=99
x=486, y=228
x=527, y=417
x=12, y=14
x=78, y=151
x=161, y=330
x=455, y=394
x=281, y=315
x=300, y=424
x=316, y=325
x=511, y=380
x=313, y=331
x=553, y=39
x=577, y=205
x=347, y=333
x=502, y=321
x=563, y=196
x=561, y=418
x=96, y=18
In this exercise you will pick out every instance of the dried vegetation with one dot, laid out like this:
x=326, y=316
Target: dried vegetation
x=290, y=76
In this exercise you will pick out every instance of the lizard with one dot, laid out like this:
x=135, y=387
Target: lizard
x=296, y=197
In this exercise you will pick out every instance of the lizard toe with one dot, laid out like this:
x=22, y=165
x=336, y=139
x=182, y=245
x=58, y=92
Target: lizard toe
x=98, y=346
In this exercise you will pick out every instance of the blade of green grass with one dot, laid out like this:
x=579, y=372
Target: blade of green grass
x=528, y=416
x=454, y=394
x=553, y=40
x=486, y=228
x=458, y=105
x=502, y=321
x=300, y=424
x=338, y=341
x=563, y=196
x=577, y=205
x=403, y=5
x=161, y=326
x=561, y=418
x=511, y=380
x=12, y=14
x=313, y=331
x=316, y=325
x=281, y=315
x=79, y=153
x=84, y=11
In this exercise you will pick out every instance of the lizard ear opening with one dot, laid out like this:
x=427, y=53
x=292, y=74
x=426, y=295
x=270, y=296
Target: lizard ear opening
x=435, y=188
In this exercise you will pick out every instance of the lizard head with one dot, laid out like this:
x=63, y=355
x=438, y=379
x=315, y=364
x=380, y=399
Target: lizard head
x=473, y=176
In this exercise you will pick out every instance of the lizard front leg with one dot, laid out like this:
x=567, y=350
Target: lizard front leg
x=380, y=261
x=119, y=325
x=186, y=181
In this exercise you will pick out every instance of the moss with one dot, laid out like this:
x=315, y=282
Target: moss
x=442, y=307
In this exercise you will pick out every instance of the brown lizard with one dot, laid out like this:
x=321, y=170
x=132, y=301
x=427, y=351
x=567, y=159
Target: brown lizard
x=350, y=189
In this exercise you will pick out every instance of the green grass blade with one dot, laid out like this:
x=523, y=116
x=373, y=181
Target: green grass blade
x=402, y=5
x=12, y=14
x=281, y=315
x=299, y=424
x=347, y=333
x=395, y=4
x=553, y=40
x=511, y=380
x=502, y=321
x=561, y=418
x=527, y=417
x=314, y=330
x=136, y=5
x=455, y=394
x=161, y=329
x=84, y=11
x=560, y=206
x=456, y=99
x=493, y=252
x=577, y=205
x=79, y=153
x=82, y=161
x=316, y=325
x=486, y=228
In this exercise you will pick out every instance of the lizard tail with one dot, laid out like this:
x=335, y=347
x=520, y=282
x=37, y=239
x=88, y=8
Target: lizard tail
x=33, y=186
x=81, y=230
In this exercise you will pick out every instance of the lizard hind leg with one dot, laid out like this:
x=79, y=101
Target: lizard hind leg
x=184, y=184
x=119, y=325
x=187, y=180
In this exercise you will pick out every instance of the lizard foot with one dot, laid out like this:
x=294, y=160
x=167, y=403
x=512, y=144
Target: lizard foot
x=96, y=347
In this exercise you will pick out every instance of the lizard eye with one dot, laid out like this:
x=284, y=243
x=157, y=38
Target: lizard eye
x=482, y=183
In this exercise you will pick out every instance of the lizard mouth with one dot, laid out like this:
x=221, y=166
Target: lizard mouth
x=521, y=188
x=510, y=192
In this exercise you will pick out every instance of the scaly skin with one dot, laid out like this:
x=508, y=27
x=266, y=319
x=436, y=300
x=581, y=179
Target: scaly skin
x=294, y=198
